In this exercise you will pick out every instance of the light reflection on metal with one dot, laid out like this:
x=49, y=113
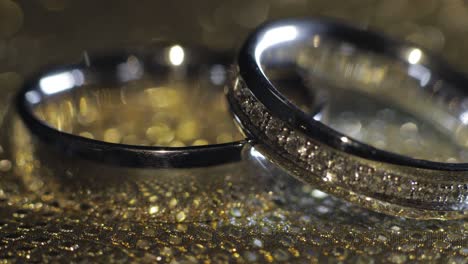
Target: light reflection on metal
x=414, y=56
x=464, y=117
x=420, y=73
x=275, y=36
x=62, y=81
x=258, y=158
x=316, y=41
x=176, y=55
x=33, y=97
x=318, y=116
x=256, y=154
x=130, y=70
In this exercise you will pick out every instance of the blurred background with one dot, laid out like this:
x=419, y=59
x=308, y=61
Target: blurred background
x=34, y=33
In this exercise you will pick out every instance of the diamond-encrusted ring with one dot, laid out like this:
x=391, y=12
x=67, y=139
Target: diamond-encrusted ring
x=163, y=63
x=317, y=56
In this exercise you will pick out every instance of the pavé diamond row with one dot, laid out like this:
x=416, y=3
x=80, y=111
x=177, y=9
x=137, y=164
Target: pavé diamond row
x=418, y=194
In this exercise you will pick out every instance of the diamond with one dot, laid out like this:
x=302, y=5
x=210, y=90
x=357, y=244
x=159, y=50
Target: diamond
x=337, y=166
x=455, y=195
x=461, y=195
x=273, y=129
x=358, y=173
x=291, y=143
x=246, y=105
x=427, y=192
x=329, y=176
x=295, y=144
x=391, y=184
x=377, y=183
x=239, y=93
x=444, y=190
x=323, y=156
x=318, y=155
x=362, y=174
x=283, y=135
x=304, y=150
x=406, y=189
x=318, y=161
x=317, y=168
x=363, y=182
x=257, y=115
x=365, y=170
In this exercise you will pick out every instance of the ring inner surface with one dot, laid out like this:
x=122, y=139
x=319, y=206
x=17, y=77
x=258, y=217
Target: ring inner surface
x=134, y=103
x=398, y=106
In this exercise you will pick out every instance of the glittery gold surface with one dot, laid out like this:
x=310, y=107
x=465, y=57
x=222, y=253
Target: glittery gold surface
x=170, y=115
x=280, y=220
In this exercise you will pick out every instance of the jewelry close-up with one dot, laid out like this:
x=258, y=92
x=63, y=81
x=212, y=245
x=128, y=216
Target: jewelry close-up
x=127, y=129
x=104, y=73
x=292, y=74
x=249, y=131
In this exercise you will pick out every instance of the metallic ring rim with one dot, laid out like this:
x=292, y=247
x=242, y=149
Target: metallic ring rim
x=135, y=156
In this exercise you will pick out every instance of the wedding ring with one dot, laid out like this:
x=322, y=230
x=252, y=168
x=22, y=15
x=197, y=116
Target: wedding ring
x=130, y=131
x=327, y=61
x=113, y=71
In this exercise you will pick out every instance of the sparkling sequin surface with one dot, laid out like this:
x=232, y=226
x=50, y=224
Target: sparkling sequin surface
x=278, y=219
